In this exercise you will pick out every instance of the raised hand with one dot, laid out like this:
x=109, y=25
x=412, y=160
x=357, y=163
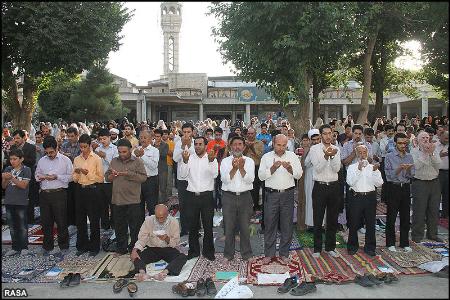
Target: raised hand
x=211, y=155
x=185, y=154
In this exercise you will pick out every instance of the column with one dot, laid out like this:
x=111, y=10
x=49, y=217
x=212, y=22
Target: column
x=388, y=111
x=149, y=111
x=338, y=113
x=233, y=114
x=344, y=111
x=154, y=117
x=399, y=111
x=326, y=121
x=444, y=109
x=138, y=110
x=247, y=114
x=200, y=112
x=424, y=107
x=144, y=109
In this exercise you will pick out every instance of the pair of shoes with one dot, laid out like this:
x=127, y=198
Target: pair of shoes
x=352, y=251
x=93, y=253
x=119, y=285
x=288, y=285
x=392, y=249
x=80, y=252
x=333, y=253
x=370, y=252
x=210, y=287
x=71, y=279
x=364, y=281
x=184, y=289
x=201, y=287
x=387, y=277
x=11, y=252
x=372, y=278
x=303, y=289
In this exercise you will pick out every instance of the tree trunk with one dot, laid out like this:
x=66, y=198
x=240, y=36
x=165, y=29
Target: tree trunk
x=379, y=98
x=300, y=123
x=367, y=81
x=22, y=117
x=316, y=103
x=379, y=75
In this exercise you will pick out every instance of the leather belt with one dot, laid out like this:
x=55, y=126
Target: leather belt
x=326, y=183
x=279, y=191
x=201, y=193
x=401, y=184
x=236, y=193
x=53, y=190
x=362, y=193
x=417, y=179
x=88, y=186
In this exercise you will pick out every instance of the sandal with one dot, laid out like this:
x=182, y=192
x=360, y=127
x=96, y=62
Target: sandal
x=119, y=285
x=132, y=289
x=303, y=289
x=184, y=289
x=66, y=280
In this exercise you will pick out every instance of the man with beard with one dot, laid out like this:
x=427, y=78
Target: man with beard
x=237, y=172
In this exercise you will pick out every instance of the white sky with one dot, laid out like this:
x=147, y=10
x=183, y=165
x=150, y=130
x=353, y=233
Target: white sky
x=140, y=57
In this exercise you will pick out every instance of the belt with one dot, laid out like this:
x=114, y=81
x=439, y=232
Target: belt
x=417, y=179
x=236, y=193
x=443, y=170
x=88, y=186
x=326, y=183
x=362, y=193
x=400, y=184
x=148, y=177
x=53, y=190
x=201, y=193
x=279, y=191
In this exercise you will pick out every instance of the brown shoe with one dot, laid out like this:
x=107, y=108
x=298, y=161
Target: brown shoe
x=184, y=289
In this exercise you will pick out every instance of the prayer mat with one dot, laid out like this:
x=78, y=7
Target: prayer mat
x=399, y=269
x=361, y=263
x=380, y=238
x=433, y=244
x=274, y=266
x=443, y=222
x=35, y=235
x=306, y=239
x=183, y=276
x=29, y=268
x=325, y=268
x=418, y=256
x=204, y=268
x=381, y=209
x=113, y=267
x=83, y=264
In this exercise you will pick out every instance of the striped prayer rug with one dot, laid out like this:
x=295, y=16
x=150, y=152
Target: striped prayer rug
x=419, y=255
x=361, y=263
x=401, y=270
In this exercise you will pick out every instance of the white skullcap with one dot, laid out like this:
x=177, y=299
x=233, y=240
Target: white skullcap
x=312, y=132
x=114, y=130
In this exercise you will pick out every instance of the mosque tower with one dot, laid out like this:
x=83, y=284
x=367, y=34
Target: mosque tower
x=171, y=24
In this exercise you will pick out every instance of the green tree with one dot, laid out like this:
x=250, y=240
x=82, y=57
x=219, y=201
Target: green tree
x=96, y=98
x=42, y=37
x=285, y=46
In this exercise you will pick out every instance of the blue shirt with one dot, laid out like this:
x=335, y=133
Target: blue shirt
x=347, y=149
x=268, y=138
x=391, y=164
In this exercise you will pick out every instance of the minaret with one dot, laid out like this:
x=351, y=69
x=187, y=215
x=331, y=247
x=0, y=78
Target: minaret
x=171, y=23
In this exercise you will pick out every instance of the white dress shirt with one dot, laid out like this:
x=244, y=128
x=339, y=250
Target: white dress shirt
x=325, y=170
x=363, y=181
x=178, y=158
x=238, y=184
x=444, y=160
x=150, y=159
x=199, y=172
x=281, y=179
x=111, y=152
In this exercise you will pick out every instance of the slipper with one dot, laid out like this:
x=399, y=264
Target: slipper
x=303, y=289
x=119, y=285
x=375, y=280
x=363, y=281
x=66, y=280
x=132, y=289
x=75, y=279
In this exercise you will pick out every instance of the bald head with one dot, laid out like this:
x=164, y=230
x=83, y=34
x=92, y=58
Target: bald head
x=281, y=138
x=280, y=144
x=161, y=213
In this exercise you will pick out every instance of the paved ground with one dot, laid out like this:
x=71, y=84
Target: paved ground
x=423, y=286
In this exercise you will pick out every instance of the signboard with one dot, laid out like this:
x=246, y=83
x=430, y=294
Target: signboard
x=253, y=94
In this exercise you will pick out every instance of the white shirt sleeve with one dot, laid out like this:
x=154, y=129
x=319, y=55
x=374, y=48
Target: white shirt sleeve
x=264, y=167
x=353, y=174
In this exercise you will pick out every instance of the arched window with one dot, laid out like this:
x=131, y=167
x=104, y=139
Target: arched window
x=179, y=11
x=171, y=53
x=172, y=11
x=164, y=11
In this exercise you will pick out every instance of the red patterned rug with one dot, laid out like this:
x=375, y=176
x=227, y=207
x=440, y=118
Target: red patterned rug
x=204, y=268
x=361, y=263
x=35, y=235
x=274, y=266
x=326, y=268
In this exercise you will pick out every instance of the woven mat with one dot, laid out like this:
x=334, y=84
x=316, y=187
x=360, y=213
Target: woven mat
x=400, y=269
x=306, y=239
x=380, y=238
x=83, y=264
x=361, y=263
x=35, y=235
x=381, y=209
x=204, y=268
x=325, y=268
x=274, y=266
x=419, y=255
x=112, y=267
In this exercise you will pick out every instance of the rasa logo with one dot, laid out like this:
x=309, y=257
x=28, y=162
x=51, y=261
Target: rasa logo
x=15, y=293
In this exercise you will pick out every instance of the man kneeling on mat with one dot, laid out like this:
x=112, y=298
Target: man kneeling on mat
x=157, y=239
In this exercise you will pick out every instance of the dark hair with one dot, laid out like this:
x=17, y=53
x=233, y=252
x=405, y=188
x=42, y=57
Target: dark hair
x=323, y=127
x=129, y=125
x=38, y=132
x=20, y=132
x=72, y=130
x=237, y=137
x=369, y=131
x=400, y=124
x=166, y=131
x=231, y=135
x=275, y=132
x=209, y=130
x=124, y=142
x=50, y=142
x=263, y=125
x=158, y=131
x=357, y=126
x=218, y=129
x=85, y=139
x=400, y=135
x=104, y=132
x=16, y=152
x=348, y=125
x=187, y=125
x=430, y=129
x=305, y=136
x=201, y=138
x=388, y=127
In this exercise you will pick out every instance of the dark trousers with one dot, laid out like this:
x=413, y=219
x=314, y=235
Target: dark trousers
x=88, y=205
x=125, y=216
x=182, y=195
x=365, y=206
x=237, y=209
x=255, y=191
x=443, y=178
x=33, y=196
x=149, y=194
x=324, y=198
x=105, y=194
x=218, y=192
x=16, y=216
x=200, y=206
x=384, y=188
x=279, y=212
x=264, y=195
x=399, y=201
x=425, y=207
x=54, y=210
x=162, y=186
x=71, y=191
x=172, y=256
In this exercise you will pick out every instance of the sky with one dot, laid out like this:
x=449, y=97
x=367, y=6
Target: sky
x=140, y=57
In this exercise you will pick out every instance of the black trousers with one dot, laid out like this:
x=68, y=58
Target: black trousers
x=125, y=216
x=443, y=178
x=218, y=192
x=54, y=210
x=399, y=201
x=105, y=194
x=255, y=191
x=71, y=192
x=150, y=194
x=200, y=206
x=33, y=196
x=362, y=206
x=88, y=205
x=175, y=259
x=182, y=195
x=324, y=198
x=384, y=188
